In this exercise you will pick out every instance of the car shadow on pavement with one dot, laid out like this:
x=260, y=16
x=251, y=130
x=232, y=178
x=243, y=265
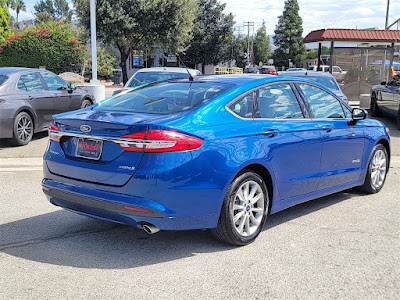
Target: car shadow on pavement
x=8, y=143
x=65, y=238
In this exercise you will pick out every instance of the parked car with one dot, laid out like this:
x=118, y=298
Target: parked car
x=325, y=79
x=253, y=70
x=30, y=97
x=219, y=152
x=296, y=69
x=337, y=72
x=268, y=70
x=385, y=98
x=148, y=75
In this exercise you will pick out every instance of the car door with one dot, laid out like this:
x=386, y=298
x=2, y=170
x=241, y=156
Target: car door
x=342, y=139
x=394, y=87
x=63, y=97
x=291, y=140
x=385, y=100
x=40, y=99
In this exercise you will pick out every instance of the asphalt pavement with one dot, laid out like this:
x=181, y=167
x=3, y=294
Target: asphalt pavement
x=343, y=246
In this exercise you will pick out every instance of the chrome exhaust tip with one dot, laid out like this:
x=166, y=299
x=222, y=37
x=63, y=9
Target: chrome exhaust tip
x=149, y=228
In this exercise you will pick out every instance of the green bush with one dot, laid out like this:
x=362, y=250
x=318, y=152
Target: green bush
x=54, y=45
x=105, y=64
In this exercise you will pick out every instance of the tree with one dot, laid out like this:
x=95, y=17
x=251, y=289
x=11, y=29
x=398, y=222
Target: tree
x=212, y=34
x=105, y=64
x=56, y=46
x=261, y=46
x=18, y=6
x=288, y=36
x=57, y=10
x=5, y=30
x=132, y=23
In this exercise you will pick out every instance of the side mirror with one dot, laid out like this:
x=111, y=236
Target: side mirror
x=383, y=83
x=358, y=114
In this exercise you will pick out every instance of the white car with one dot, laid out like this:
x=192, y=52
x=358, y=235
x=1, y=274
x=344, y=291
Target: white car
x=337, y=72
x=147, y=75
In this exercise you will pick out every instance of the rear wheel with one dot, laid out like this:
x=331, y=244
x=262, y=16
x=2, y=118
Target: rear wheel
x=377, y=170
x=375, y=112
x=23, y=129
x=244, y=210
x=86, y=103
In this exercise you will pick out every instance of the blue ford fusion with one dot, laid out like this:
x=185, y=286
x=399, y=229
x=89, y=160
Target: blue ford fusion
x=218, y=152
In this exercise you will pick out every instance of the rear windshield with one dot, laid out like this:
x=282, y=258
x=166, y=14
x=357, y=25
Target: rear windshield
x=3, y=79
x=164, y=97
x=328, y=82
x=147, y=77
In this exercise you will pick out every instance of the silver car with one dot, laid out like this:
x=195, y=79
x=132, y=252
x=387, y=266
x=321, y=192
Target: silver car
x=30, y=97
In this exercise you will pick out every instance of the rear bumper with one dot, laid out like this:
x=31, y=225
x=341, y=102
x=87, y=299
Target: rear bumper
x=109, y=206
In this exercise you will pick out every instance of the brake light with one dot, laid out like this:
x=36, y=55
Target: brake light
x=160, y=141
x=53, y=135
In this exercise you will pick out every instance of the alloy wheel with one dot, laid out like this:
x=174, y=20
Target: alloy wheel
x=248, y=208
x=378, y=169
x=24, y=128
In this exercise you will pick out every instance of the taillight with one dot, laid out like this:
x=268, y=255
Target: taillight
x=160, y=141
x=53, y=135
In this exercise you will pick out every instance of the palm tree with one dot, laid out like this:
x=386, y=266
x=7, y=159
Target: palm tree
x=9, y=3
x=18, y=5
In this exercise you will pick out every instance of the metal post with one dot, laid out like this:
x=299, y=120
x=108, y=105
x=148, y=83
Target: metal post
x=319, y=56
x=391, y=62
x=331, y=57
x=93, y=41
x=387, y=14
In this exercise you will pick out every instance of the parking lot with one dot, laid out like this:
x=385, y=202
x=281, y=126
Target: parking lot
x=343, y=246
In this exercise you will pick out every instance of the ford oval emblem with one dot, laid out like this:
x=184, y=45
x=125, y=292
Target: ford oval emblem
x=85, y=128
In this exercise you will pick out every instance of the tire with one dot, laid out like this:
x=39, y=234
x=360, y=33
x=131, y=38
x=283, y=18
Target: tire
x=86, y=103
x=374, y=109
x=23, y=129
x=250, y=217
x=377, y=170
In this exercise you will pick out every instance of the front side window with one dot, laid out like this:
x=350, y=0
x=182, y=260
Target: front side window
x=30, y=82
x=277, y=102
x=54, y=82
x=164, y=97
x=323, y=104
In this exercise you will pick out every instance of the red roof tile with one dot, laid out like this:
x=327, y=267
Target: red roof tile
x=356, y=35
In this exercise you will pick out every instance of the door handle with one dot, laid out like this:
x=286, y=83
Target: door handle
x=327, y=128
x=270, y=132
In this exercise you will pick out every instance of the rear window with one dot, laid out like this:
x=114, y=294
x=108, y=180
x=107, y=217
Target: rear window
x=147, y=77
x=328, y=82
x=3, y=79
x=164, y=97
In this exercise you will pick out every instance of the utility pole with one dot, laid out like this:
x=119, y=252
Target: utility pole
x=387, y=14
x=248, y=25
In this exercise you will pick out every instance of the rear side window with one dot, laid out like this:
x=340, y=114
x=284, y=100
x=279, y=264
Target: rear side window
x=30, y=82
x=277, y=102
x=323, y=104
x=165, y=97
x=243, y=107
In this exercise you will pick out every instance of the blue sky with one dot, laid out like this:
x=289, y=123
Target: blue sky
x=316, y=14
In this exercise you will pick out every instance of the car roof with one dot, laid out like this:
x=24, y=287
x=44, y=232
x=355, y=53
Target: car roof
x=169, y=69
x=305, y=73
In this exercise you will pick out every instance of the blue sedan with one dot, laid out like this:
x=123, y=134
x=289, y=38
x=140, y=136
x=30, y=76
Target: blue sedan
x=217, y=152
